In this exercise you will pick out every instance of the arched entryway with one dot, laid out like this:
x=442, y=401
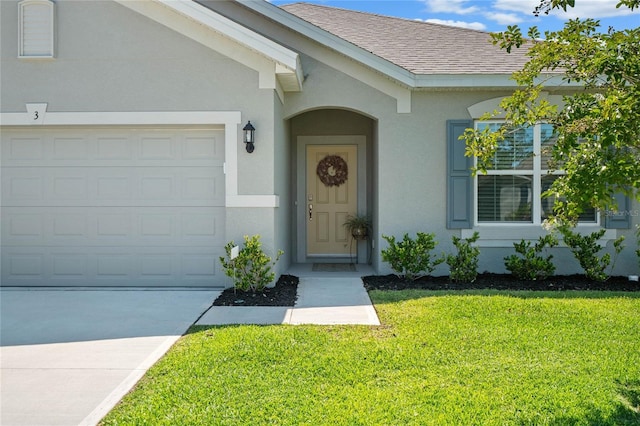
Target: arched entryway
x=332, y=179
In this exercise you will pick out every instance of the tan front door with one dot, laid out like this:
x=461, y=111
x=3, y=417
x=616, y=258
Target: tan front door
x=332, y=189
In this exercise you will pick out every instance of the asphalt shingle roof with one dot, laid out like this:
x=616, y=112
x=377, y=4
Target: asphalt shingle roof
x=420, y=47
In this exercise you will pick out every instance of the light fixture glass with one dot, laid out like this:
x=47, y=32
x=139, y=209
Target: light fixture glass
x=249, y=136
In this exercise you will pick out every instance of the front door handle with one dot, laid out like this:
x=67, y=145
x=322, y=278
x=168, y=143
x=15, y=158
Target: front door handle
x=310, y=211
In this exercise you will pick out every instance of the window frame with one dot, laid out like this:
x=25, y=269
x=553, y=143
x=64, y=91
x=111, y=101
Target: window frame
x=23, y=7
x=536, y=172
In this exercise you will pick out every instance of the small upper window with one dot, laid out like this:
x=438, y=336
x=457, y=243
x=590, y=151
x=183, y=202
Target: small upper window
x=36, y=29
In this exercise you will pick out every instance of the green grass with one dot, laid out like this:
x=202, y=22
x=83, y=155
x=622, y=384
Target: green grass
x=474, y=358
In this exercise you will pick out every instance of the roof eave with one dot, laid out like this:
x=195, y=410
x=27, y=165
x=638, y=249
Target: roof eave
x=235, y=31
x=332, y=41
x=477, y=81
x=286, y=62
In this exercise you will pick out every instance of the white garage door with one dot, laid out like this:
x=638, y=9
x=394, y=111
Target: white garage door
x=112, y=207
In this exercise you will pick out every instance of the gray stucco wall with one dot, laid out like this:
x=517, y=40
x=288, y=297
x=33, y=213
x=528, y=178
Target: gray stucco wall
x=111, y=59
x=408, y=167
x=282, y=182
x=144, y=66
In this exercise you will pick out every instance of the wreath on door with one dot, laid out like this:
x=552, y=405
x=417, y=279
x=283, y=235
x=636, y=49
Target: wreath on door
x=332, y=170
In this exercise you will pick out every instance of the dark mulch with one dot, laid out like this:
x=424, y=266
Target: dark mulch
x=284, y=293
x=500, y=282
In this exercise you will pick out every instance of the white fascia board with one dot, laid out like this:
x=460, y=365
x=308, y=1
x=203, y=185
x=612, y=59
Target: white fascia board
x=479, y=81
x=236, y=35
x=447, y=81
x=243, y=35
x=332, y=41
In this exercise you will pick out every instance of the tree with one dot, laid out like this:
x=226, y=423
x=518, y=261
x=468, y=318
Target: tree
x=598, y=128
x=546, y=6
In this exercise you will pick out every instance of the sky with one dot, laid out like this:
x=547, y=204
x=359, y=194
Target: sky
x=490, y=15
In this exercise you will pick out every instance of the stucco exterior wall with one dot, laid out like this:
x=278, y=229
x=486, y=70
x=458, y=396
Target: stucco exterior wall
x=282, y=181
x=136, y=65
x=112, y=59
x=409, y=169
x=140, y=65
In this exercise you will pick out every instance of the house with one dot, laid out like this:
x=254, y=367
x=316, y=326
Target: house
x=123, y=160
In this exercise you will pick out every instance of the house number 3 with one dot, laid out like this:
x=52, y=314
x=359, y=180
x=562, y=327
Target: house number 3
x=36, y=112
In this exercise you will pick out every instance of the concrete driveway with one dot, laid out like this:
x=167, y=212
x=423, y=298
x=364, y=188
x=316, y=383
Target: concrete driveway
x=68, y=356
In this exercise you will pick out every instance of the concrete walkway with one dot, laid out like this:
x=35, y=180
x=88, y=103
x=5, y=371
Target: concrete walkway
x=67, y=356
x=321, y=300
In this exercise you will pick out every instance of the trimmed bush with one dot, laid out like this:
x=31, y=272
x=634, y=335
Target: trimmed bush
x=585, y=249
x=411, y=258
x=638, y=243
x=251, y=270
x=530, y=265
x=463, y=266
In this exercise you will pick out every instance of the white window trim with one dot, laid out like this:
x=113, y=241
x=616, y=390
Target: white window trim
x=24, y=4
x=505, y=234
x=536, y=190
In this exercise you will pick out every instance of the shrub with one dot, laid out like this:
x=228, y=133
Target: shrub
x=251, y=269
x=638, y=243
x=531, y=265
x=463, y=266
x=411, y=258
x=585, y=248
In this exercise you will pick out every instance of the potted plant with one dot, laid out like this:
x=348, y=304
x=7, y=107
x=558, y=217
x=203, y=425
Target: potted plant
x=358, y=226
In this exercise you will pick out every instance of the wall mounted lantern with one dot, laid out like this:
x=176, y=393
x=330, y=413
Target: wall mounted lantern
x=249, y=136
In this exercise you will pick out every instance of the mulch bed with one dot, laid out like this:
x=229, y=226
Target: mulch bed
x=284, y=293
x=501, y=282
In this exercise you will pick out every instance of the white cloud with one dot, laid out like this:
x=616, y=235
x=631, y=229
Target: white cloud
x=470, y=25
x=451, y=6
x=504, y=18
x=595, y=9
x=521, y=6
x=583, y=8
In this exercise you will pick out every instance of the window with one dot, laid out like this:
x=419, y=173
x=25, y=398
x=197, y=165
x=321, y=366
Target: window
x=36, y=29
x=511, y=190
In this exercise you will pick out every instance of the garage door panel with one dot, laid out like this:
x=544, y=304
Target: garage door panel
x=112, y=207
x=74, y=148
x=107, y=226
x=203, y=148
x=118, y=186
x=112, y=148
x=21, y=186
x=132, y=266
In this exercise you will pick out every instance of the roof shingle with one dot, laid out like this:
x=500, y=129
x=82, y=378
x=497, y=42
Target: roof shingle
x=419, y=47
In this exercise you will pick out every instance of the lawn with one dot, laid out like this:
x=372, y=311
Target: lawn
x=472, y=358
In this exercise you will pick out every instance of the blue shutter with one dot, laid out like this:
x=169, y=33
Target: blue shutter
x=459, y=181
x=620, y=217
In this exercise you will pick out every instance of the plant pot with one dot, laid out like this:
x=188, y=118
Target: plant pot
x=360, y=233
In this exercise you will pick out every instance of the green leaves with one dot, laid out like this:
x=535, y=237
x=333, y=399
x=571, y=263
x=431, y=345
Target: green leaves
x=251, y=269
x=598, y=127
x=508, y=39
x=530, y=265
x=464, y=264
x=411, y=258
x=585, y=248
